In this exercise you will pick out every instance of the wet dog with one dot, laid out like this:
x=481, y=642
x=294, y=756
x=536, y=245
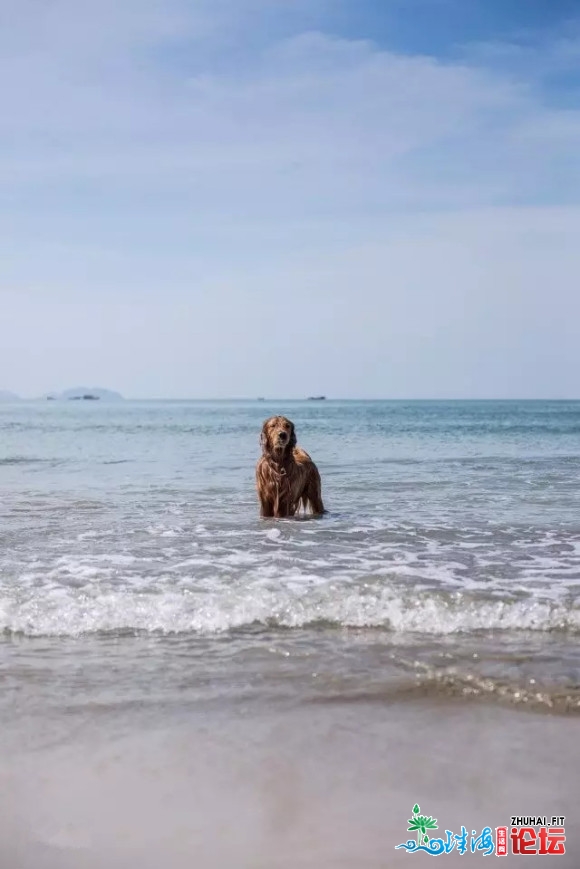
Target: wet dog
x=286, y=477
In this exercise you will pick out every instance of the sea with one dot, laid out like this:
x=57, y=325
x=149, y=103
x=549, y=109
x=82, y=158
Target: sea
x=182, y=681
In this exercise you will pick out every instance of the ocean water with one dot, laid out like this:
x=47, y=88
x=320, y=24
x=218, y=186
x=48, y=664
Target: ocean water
x=138, y=584
x=449, y=559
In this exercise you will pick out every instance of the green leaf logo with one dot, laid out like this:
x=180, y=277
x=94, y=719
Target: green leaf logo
x=420, y=824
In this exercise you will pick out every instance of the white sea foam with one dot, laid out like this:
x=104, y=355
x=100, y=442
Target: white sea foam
x=71, y=612
x=209, y=582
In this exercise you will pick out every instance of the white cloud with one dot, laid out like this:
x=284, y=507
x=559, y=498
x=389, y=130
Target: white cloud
x=158, y=194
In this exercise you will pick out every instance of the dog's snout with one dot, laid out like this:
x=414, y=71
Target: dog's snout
x=282, y=435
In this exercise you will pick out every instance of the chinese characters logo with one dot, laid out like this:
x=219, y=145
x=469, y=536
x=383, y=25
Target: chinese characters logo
x=525, y=835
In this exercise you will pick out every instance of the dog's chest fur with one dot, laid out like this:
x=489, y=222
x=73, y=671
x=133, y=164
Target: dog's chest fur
x=284, y=480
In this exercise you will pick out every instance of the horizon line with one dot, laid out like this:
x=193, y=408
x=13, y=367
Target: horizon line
x=267, y=400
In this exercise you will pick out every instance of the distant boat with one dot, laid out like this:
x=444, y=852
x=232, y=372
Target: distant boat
x=84, y=393
x=260, y=399
x=87, y=393
x=317, y=398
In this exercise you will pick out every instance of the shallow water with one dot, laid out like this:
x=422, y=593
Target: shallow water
x=449, y=561
x=184, y=684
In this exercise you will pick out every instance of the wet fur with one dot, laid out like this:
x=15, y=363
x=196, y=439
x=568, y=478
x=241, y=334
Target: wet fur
x=287, y=479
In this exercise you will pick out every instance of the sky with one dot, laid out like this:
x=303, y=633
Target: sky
x=280, y=198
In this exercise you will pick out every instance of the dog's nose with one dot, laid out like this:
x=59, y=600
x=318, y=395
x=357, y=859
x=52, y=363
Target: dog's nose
x=282, y=435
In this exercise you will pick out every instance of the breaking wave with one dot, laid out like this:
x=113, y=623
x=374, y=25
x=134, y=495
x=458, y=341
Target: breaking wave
x=67, y=611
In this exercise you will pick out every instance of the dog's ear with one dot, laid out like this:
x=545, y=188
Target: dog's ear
x=292, y=441
x=264, y=442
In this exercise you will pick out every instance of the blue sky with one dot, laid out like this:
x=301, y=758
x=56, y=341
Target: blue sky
x=248, y=197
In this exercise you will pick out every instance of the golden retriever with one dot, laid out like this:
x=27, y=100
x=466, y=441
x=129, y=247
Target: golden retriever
x=286, y=476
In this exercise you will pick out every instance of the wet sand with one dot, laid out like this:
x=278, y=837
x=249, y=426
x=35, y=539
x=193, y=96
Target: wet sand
x=325, y=784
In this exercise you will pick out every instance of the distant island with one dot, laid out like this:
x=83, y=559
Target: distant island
x=8, y=396
x=317, y=398
x=84, y=393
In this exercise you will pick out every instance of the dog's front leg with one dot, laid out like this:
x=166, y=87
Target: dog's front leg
x=266, y=508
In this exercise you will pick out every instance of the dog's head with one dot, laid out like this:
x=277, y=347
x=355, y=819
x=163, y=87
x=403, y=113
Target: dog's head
x=278, y=436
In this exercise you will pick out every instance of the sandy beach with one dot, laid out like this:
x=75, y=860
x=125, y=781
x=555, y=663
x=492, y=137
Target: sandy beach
x=326, y=786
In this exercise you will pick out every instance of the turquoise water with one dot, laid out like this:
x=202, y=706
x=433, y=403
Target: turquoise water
x=134, y=567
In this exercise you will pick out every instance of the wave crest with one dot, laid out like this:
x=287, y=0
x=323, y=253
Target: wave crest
x=73, y=612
